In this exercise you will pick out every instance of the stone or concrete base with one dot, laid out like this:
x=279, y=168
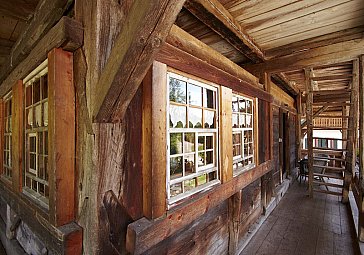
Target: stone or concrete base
x=11, y=246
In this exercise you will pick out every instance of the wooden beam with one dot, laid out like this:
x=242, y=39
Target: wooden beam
x=144, y=234
x=332, y=77
x=319, y=41
x=18, y=9
x=287, y=84
x=67, y=33
x=189, y=44
x=361, y=148
x=321, y=56
x=234, y=221
x=144, y=32
x=46, y=15
x=298, y=126
x=213, y=14
x=309, y=120
x=154, y=134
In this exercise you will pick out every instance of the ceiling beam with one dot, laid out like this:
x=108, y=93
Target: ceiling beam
x=332, y=77
x=46, y=15
x=141, y=37
x=288, y=85
x=18, y=9
x=213, y=14
x=321, y=56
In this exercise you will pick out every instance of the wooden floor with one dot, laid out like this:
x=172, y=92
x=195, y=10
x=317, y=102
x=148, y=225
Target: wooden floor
x=300, y=225
x=2, y=250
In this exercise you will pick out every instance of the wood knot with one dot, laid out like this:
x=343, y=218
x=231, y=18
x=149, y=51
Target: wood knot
x=157, y=42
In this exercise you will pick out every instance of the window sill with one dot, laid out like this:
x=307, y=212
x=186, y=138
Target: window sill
x=243, y=169
x=39, y=201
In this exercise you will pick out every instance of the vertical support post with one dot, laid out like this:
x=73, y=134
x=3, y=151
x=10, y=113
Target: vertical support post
x=154, y=135
x=352, y=132
x=226, y=134
x=61, y=137
x=361, y=147
x=17, y=135
x=309, y=101
x=298, y=126
x=234, y=221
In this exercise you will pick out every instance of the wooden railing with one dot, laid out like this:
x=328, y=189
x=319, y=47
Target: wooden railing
x=327, y=122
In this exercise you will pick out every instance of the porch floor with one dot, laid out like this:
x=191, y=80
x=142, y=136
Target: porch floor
x=300, y=225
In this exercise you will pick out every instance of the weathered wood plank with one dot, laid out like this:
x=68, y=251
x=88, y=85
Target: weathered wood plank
x=154, y=141
x=144, y=234
x=61, y=135
x=309, y=119
x=214, y=15
x=131, y=56
x=67, y=33
x=226, y=135
x=47, y=13
x=178, y=59
x=234, y=221
x=325, y=55
x=361, y=147
x=18, y=9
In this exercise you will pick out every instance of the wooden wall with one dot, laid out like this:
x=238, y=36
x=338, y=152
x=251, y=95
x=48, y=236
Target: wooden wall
x=276, y=173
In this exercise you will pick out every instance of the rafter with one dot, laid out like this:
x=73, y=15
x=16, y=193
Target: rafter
x=288, y=85
x=215, y=16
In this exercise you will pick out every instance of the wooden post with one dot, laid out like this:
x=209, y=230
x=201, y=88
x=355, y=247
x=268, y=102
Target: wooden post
x=234, y=221
x=309, y=101
x=61, y=137
x=361, y=147
x=154, y=135
x=226, y=134
x=298, y=125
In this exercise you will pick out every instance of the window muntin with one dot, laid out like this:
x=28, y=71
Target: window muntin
x=36, y=173
x=7, y=165
x=243, y=135
x=192, y=137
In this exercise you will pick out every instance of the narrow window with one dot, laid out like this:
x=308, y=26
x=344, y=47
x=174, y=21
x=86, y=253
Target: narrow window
x=7, y=166
x=36, y=136
x=192, y=164
x=243, y=135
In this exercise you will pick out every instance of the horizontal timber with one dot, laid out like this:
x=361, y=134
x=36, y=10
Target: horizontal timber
x=67, y=33
x=328, y=192
x=329, y=176
x=144, y=234
x=328, y=184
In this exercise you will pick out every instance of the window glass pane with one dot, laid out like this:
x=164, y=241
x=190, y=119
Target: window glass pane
x=212, y=176
x=29, y=118
x=209, y=142
x=237, y=138
x=236, y=150
x=194, y=95
x=32, y=162
x=176, y=189
x=209, y=98
x=251, y=148
x=195, y=118
x=209, y=157
x=189, y=164
x=36, y=91
x=201, y=159
x=249, y=121
x=176, y=143
x=189, y=184
x=242, y=120
x=235, y=103
x=29, y=96
x=45, y=114
x=177, y=116
x=38, y=115
x=209, y=119
x=202, y=179
x=177, y=91
x=235, y=120
x=45, y=87
x=32, y=143
x=245, y=150
x=201, y=143
x=189, y=142
x=249, y=106
x=242, y=105
x=176, y=167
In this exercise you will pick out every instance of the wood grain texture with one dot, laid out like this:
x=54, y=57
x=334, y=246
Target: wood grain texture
x=309, y=118
x=234, y=221
x=67, y=33
x=144, y=234
x=214, y=15
x=226, y=135
x=361, y=147
x=154, y=141
x=17, y=135
x=46, y=15
x=130, y=59
x=61, y=137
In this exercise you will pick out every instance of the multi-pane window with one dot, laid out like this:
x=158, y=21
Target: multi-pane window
x=243, y=135
x=193, y=137
x=36, y=136
x=7, y=166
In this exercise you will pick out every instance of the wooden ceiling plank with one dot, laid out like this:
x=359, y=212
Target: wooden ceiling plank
x=215, y=16
x=326, y=55
x=18, y=9
x=318, y=41
x=332, y=77
x=47, y=14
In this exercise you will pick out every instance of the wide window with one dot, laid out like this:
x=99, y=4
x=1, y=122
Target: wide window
x=36, y=135
x=192, y=137
x=7, y=166
x=243, y=135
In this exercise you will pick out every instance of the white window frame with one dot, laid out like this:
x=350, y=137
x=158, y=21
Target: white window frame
x=214, y=132
x=241, y=157
x=8, y=138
